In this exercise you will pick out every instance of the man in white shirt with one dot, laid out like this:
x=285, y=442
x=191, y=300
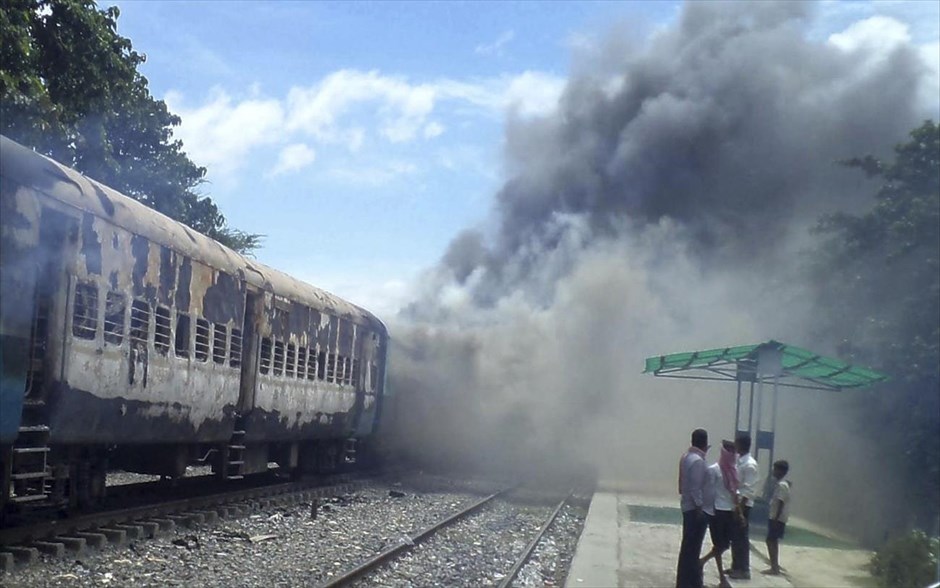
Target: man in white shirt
x=747, y=493
x=691, y=488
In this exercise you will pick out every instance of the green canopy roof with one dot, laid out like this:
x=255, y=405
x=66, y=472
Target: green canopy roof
x=740, y=363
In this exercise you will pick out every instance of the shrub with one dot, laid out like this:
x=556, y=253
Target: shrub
x=909, y=561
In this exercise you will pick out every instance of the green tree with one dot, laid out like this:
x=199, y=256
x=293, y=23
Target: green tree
x=70, y=88
x=879, y=287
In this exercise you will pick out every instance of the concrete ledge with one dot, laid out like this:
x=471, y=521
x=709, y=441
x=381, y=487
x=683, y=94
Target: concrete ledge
x=73, y=544
x=596, y=558
x=6, y=561
x=96, y=540
x=53, y=548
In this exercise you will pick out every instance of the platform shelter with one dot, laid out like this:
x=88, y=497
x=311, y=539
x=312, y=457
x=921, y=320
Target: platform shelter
x=760, y=370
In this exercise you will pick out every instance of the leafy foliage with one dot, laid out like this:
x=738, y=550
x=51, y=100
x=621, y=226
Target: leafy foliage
x=879, y=277
x=70, y=88
x=909, y=560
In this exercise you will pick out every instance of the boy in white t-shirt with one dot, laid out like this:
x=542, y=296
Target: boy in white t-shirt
x=779, y=513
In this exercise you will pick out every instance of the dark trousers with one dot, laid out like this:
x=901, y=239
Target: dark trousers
x=741, y=544
x=689, y=573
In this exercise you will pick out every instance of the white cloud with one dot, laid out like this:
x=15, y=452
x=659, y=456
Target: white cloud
x=497, y=46
x=220, y=133
x=531, y=93
x=534, y=93
x=294, y=157
x=930, y=85
x=351, y=109
x=376, y=175
x=433, y=129
x=400, y=106
x=876, y=37
x=581, y=42
x=878, y=34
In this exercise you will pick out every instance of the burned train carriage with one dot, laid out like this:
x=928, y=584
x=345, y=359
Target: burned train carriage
x=128, y=340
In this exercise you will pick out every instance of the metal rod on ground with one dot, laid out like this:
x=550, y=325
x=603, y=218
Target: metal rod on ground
x=374, y=562
x=531, y=546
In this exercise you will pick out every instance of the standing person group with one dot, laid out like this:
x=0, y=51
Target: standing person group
x=720, y=498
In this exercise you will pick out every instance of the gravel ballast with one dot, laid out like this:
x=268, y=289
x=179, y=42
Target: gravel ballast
x=286, y=546
x=551, y=559
x=476, y=551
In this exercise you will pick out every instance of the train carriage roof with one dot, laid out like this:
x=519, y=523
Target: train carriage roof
x=68, y=186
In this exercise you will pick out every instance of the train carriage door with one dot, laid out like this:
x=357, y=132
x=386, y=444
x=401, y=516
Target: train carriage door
x=28, y=467
x=49, y=301
x=249, y=367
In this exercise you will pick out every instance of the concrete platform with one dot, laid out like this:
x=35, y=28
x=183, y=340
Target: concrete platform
x=630, y=540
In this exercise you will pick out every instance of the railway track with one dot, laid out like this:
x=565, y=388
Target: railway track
x=362, y=573
x=23, y=543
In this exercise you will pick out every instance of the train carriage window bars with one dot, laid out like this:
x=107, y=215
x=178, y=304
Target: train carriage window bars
x=331, y=368
x=161, y=331
x=183, y=327
x=85, y=311
x=347, y=371
x=114, y=309
x=312, y=365
x=235, y=349
x=356, y=373
x=140, y=321
x=339, y=369
x=321, y=365
x=301, y=362
x=202, y=339
x=264, y=366
x=291, y=360
x=219, y=338
x=278, y=358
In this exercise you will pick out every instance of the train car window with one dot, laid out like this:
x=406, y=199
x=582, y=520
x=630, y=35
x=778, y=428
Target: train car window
x=278, y=358
x=140, y=321
x=301, y=362
x=331, y=367
x=265, y=364
x=373, y=376
x=85, y=311
x=235, y=349
x=312, y=365
x=339, y=369
x=347, y=371
x=356, y=373
x=161, y=331
x=183, y=327
x=115, y=306
x=291, y=360
x=321, y=365
x=202, y=339
x=219, y=339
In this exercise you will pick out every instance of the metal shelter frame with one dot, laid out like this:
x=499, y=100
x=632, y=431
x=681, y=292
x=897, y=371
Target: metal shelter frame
x=751, y=367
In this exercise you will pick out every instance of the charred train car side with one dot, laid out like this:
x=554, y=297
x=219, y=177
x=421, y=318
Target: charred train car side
x=129, y=340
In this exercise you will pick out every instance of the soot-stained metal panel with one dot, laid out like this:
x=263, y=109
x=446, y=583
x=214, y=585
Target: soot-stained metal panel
x=224, y=300
x=91, y=245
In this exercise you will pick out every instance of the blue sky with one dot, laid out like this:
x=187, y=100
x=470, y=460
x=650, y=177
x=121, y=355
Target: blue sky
x=361, y=137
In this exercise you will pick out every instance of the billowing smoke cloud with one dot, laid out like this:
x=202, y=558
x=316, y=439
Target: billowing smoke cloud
x=662, y=208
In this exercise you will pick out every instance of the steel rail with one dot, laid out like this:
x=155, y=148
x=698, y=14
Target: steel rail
x=532, y=545
x=390, y=553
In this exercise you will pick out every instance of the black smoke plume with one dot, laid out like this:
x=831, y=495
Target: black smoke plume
x=663, y=207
